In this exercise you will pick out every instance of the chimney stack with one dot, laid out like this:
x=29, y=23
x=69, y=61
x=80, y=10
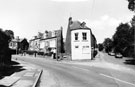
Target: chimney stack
x=70, y=20
x=83, y=24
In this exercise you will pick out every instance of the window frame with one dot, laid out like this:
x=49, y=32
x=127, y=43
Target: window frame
x=76, y=36
x=84, y=36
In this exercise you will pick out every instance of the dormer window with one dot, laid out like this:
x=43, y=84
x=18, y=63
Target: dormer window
x=84, y=36
x=76, y=36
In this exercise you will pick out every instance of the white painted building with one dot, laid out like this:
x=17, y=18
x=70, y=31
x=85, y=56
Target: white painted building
x=80, y=44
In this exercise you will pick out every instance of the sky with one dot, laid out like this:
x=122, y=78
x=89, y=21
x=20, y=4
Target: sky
x=28, y=17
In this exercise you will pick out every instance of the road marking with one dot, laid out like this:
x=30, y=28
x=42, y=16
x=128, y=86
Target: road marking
x=80, y=68
x=117, y=79
x=29, y=74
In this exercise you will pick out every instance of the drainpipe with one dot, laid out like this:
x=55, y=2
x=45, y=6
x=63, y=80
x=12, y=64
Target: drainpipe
x=57, y=48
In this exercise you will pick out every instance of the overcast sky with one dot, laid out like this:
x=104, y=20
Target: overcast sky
x=28, y=17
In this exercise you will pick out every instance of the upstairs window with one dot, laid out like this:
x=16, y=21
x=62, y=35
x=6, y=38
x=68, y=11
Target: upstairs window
x=84, y=36
x=76, y=36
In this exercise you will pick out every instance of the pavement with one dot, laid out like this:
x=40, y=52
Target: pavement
x=28, y=77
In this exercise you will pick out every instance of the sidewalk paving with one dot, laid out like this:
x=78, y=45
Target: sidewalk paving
x=26, y=78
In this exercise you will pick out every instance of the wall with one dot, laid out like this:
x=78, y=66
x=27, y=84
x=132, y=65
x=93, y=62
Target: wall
x=83, y=51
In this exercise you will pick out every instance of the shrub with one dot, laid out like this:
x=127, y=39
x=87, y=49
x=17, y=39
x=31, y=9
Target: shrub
x=95, y=53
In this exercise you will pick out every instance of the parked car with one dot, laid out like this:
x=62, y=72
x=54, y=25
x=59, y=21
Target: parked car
x=111, y=53
x=118, y=55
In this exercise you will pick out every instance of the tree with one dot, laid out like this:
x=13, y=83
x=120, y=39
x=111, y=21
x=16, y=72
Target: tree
x=5, y=54
x=108, y=43
x=131, y=5
x=10, y=34
x=133, y=21
x=100, y=47
x=121, y=38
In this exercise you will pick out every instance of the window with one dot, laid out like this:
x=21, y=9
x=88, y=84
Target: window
x=85, y=50
x=84, y=36
x=76, y=36
x=76, y=46
x=85, y=46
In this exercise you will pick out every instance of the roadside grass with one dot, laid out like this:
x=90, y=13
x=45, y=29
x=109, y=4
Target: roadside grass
x=9, y=69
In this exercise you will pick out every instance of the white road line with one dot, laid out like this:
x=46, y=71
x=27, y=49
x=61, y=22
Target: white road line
x=80, y=68
x=117, y=79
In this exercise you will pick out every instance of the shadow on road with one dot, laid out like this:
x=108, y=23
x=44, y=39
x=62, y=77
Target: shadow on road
x=3, y=86
x=7, y=70
x=130, y=61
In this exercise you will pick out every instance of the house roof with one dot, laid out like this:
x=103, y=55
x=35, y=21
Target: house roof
x=48, y=38
x=34, y=39
x=78, y=25
x=15, y=40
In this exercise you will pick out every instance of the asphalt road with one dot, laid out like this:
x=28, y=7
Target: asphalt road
x=70, y=75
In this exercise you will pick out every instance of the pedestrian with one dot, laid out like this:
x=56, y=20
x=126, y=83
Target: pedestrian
x=22, y=52
x=54, y=53
x=35, y=53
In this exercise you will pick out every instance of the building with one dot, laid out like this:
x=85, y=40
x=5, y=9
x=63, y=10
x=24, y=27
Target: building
x=19, y=44
x=47, y=44
x=80, y=42
x=51, y=40
x=34, y=44
x=14, y=43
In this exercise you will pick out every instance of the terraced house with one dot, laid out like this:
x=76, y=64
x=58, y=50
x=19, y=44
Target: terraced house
x=47, y=41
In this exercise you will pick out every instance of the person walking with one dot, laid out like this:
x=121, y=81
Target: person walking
x=35, y=53
x=54, y=53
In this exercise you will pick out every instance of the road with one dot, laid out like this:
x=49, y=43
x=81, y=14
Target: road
x=118, y=60
x=73, y=75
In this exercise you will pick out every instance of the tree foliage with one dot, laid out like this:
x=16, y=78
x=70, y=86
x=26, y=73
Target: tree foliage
x=10, y=34
x=123, y=40
x=5, y=54
x=108, y=44
x=100, y=47
x=121, y=37
x=133, y=21
x=131, y=5
x=3, y=40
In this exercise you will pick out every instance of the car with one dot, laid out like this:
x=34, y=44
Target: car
x=111, y=53
x=118, y=55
